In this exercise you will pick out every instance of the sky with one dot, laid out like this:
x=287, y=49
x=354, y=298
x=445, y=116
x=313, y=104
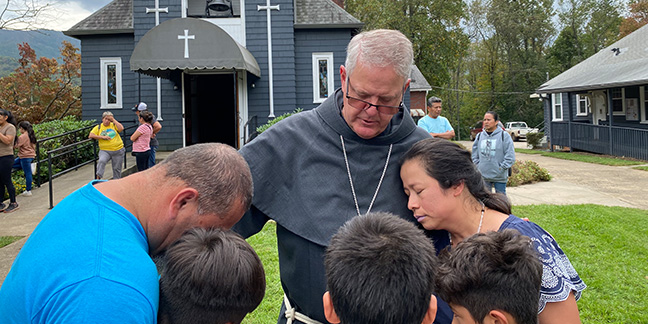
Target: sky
x=66, y=13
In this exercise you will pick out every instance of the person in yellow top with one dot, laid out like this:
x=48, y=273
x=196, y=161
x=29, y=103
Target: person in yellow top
x=111, y=146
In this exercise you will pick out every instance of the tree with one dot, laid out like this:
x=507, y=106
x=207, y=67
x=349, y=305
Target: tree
x=433, y=26
x=602, y=28
x=22, y=14
x=637, y=18
x=42, y=89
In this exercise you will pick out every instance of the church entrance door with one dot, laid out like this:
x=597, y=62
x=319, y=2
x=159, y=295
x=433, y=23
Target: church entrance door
x=210, y=108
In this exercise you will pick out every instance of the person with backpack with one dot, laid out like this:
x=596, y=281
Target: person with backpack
x=494, y=153
x=26, y=146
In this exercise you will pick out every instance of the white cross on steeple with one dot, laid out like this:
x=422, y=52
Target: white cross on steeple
x=267, y=8
x=157, y=11
x=186, y=39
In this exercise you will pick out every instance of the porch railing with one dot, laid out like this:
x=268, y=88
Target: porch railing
x=617, y=141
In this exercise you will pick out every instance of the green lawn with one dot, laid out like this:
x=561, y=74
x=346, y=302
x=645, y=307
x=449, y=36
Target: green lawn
x=608, y=246
x=6, y=240
x=584, y=157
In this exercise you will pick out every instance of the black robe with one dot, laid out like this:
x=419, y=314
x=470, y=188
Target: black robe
x=301, y=182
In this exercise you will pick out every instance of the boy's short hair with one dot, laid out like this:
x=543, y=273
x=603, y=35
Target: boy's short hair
x=492, y=271
x=380, y=269
x=210, y=276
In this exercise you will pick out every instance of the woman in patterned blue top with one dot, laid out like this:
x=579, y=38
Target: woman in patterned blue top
x=446, y=191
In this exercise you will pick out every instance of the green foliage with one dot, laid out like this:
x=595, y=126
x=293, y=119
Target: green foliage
x=6, y=240
x=265, y=245
x=433, y=26
x=534, y=139
x=525, y=172
x=607, y=246
x=642, y=168
x=56, y=127
x=267, y=125
x=585, y=157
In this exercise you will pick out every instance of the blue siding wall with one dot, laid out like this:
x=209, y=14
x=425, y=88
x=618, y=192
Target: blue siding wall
x=309, y=41
x=283, y=57
x=93, y=49
x=574, y=105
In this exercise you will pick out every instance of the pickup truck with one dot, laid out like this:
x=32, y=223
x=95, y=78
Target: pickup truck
x=518, y=130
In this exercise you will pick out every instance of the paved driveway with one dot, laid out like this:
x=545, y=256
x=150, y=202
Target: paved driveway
x=581, y=183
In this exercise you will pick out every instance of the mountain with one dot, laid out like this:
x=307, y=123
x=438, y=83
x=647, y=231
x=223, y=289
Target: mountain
x=45, y=42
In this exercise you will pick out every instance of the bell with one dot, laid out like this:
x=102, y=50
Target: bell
x=219, y=5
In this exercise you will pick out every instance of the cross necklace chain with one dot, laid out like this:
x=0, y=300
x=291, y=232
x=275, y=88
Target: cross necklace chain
x=355, y=198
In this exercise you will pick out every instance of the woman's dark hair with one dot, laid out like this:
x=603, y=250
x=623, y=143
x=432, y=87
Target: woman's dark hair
x=450, y=164
x=494, y=114
x=10, y=117
x=30, y=131
x=147, y=116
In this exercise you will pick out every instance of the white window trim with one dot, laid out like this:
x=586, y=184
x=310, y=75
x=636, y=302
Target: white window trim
x=623, y=104
x=554, y=105
x=643, y=108
x=331, y=76
x=578, y=105
x=105, y=61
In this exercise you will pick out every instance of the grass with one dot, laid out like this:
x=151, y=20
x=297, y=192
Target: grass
x=642, y=168
x=6, y=240
x=265, y=245
x=584, y=157
x=606, y=245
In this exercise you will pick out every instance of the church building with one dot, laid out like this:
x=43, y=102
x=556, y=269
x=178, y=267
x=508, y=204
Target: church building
x=211, y=70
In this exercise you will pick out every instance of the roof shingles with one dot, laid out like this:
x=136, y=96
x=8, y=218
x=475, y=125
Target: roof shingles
x=115, y=17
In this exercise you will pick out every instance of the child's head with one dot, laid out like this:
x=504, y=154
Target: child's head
x=380, y=269
x=492, y=275
x=209, y=276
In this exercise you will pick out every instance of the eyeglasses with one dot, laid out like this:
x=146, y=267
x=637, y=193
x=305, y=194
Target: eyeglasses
x=364, y=105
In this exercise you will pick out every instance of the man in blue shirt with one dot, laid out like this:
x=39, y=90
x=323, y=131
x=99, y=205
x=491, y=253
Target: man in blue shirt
x=434, y=123
x=89, y=259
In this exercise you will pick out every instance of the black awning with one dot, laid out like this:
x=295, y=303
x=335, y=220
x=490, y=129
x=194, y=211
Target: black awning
x=190, y=44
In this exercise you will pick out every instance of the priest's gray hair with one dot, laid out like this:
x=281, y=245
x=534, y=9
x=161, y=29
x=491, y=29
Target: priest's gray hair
x=381, y=48
x=217, y=171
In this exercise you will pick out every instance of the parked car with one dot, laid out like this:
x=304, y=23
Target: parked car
x=519, y=130
x=478, y=128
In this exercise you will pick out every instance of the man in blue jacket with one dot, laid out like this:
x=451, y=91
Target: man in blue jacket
x=493, y=153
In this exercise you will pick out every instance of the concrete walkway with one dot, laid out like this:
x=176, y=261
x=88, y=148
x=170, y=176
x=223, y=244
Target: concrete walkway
x=573, y=183
x=580, y=183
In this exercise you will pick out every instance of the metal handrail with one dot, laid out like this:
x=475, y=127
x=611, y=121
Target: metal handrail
x=75, y=147
x=246, y=129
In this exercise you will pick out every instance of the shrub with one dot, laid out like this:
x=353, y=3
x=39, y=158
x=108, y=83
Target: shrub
x=534, y=139
x=56, y=127
x=527, y=172
x=267, y=125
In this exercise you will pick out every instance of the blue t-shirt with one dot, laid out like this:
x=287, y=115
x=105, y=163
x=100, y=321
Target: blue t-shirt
x=559, y=277
x=86, y=262
x=435, y=125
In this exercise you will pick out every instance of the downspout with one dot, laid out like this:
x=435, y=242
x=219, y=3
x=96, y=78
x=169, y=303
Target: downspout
x=569, y=121
x=610, y=115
